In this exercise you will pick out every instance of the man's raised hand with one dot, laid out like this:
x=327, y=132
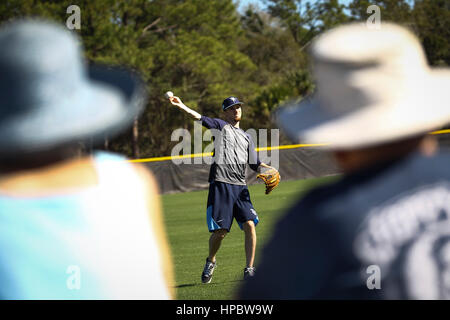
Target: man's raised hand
x=176, y=101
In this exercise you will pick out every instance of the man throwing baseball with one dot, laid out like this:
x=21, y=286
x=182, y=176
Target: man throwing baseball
x=228, y=196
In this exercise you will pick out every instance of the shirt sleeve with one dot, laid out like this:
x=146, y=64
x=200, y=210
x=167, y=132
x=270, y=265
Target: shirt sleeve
x=253, y=159
x=212, y=123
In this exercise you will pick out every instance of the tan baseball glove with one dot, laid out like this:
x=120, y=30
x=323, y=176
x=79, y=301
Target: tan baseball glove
x=271, y=178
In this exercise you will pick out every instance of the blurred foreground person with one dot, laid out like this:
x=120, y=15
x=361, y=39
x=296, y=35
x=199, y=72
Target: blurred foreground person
x=72, y=227
x=382, y=231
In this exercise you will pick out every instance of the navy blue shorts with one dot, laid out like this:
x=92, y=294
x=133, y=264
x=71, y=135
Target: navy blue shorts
x=227, y=201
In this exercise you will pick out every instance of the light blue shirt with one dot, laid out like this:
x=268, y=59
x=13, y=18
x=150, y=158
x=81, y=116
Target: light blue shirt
x=91, y=244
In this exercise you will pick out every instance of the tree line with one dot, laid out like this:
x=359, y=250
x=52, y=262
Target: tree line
x=205, y=51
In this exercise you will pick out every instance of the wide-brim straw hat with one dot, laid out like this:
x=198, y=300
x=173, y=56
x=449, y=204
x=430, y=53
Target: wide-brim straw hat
x=49, y=96
x=374, y=86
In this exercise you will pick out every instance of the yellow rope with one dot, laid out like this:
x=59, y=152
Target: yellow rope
x=291, y=146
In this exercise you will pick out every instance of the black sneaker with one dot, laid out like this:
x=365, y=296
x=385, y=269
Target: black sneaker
x=249, y=272
x=208, y=271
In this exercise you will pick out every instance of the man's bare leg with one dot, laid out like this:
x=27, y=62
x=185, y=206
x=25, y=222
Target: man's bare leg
x=214, y=243
x=250, y=242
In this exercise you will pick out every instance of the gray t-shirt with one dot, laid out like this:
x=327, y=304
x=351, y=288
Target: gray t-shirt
x=233, y=150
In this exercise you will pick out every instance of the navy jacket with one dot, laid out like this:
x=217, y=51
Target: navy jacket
x=382, y=233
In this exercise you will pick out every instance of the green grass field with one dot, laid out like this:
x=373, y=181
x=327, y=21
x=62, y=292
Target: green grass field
x=185, y=218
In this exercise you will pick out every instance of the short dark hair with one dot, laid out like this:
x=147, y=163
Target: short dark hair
x=37, y=159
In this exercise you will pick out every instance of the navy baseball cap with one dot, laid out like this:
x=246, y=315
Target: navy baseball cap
x=229, y=102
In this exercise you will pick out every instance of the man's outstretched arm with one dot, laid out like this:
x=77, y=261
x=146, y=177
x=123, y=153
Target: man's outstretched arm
x=210, y=123
x=176, y=101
